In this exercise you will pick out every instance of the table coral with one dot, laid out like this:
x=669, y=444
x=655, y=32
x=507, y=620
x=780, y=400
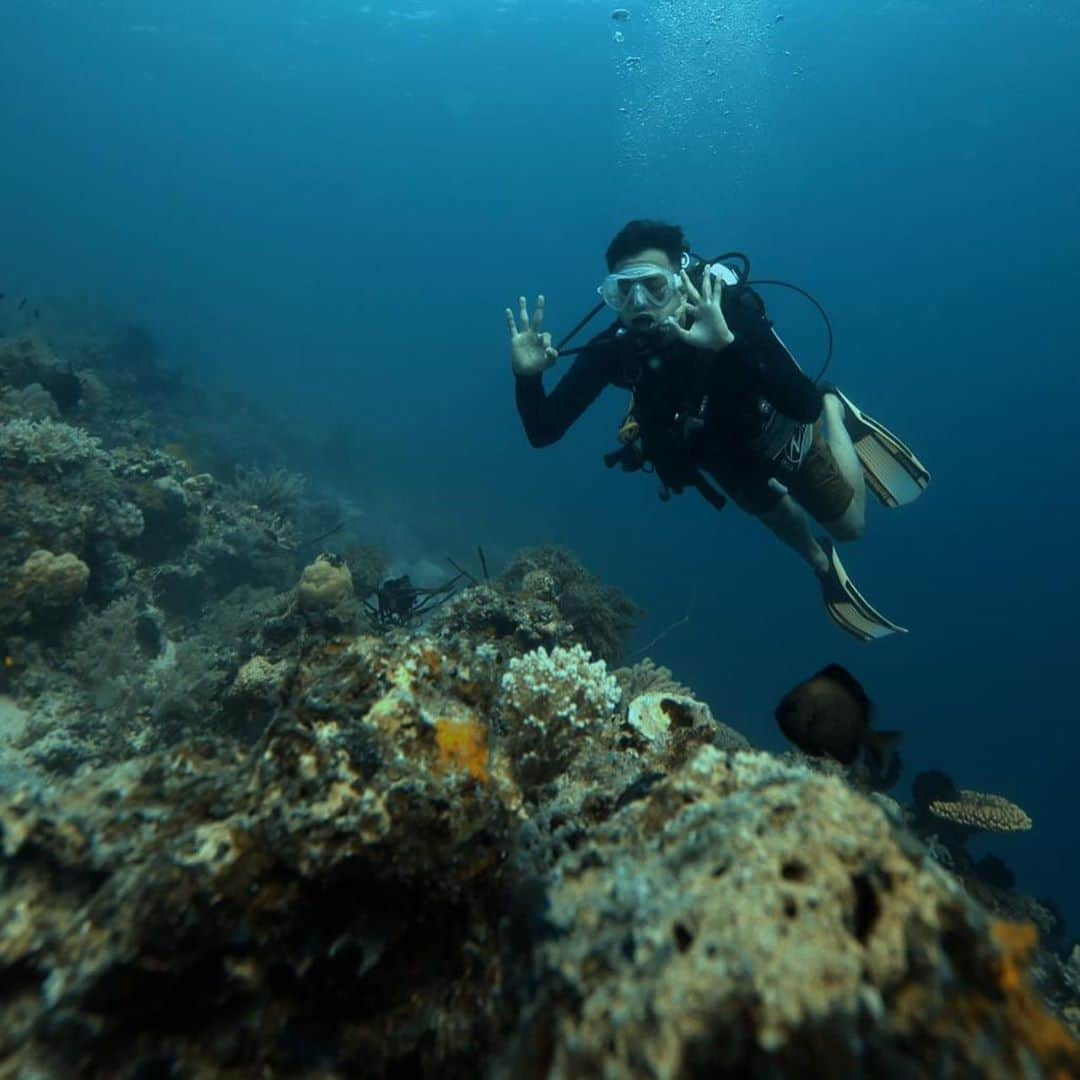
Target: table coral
x=982, y=812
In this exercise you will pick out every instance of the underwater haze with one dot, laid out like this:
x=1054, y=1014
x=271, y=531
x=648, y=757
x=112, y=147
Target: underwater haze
x=326, y=206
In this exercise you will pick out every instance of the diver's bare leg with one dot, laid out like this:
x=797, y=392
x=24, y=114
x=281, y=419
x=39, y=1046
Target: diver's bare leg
x=852, y=523
x=789, y=521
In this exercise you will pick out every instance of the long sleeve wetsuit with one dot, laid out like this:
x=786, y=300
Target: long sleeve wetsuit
x=670, y=377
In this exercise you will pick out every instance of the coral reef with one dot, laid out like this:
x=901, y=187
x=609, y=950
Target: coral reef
x=722, y=925
x=324, y=585
x=647, y=677
x=601, y=617
x=982, y=812
x=367, y=567
x=45, y=447
x=515, y=623
x=277, y=490
x=273, y=908
x=117, y=556
x=243, y=835
x=548, y=700
x=665, y=719
x=46, y=580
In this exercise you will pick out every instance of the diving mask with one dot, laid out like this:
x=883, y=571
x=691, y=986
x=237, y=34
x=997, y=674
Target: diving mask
x=645, y=289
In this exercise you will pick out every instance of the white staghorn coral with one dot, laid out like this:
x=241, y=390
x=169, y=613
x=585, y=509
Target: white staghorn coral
x=47, y=444
x=548, y=700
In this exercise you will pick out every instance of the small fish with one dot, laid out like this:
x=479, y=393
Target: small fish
x=2, y=295
x=36, y=313
x=830, y=715
x=22, y=303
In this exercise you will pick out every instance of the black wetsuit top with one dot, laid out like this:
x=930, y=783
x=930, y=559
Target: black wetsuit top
x=672, y=380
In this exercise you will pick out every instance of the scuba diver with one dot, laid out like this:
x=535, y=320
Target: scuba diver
x=719, y=404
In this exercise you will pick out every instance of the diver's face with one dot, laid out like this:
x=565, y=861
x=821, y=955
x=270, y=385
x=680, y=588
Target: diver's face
x=649, y=315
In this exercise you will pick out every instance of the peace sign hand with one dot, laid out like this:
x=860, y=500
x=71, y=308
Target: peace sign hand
x=710, y=329
x=531, y=352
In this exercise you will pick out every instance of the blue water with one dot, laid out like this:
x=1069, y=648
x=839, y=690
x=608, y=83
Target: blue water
x=329, y=204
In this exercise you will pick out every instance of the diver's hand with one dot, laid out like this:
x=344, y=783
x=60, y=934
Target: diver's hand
x=531, y=352
x=710, y=329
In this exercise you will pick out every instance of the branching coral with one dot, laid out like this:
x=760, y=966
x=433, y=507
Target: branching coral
x=46, y=445
x=31, y=402
x=548, y=700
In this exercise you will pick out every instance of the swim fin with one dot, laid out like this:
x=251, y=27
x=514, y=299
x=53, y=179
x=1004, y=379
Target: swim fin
x=893, y=473
x=847, y=607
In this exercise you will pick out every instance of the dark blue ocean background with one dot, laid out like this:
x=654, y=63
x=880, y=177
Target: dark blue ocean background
x=327, y=205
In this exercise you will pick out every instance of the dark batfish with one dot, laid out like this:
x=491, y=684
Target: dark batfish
x=65, y=388
x=830, y=715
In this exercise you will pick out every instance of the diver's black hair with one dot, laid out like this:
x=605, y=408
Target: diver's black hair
x=641, y=234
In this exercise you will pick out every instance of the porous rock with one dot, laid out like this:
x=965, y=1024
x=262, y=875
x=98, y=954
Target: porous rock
x=366, y=891
x=753, y=918
x=222, y=908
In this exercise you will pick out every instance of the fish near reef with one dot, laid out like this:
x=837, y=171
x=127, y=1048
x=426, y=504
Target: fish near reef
x=829, y=715
x=65, y=388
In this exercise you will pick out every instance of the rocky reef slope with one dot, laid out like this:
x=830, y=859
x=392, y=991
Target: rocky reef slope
x=385, y=884
x=253, y=826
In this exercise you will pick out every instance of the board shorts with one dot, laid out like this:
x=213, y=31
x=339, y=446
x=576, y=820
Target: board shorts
x=818, y=485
